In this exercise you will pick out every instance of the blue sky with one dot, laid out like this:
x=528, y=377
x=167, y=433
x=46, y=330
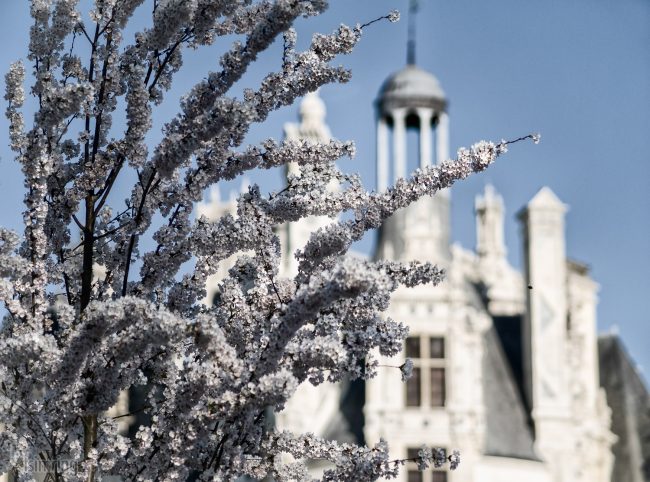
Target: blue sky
x=578, y=72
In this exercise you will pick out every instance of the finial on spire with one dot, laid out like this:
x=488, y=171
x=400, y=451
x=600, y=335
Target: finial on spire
x=410, y=46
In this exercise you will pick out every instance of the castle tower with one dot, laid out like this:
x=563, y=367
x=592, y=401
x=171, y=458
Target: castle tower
x=413, y=99
x=310, y=409
x=440, y=404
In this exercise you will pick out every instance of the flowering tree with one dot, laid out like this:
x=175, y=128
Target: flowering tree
x=74, y=336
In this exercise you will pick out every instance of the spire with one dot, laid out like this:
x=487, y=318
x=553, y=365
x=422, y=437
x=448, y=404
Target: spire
x=312, y=126
x=410, y=46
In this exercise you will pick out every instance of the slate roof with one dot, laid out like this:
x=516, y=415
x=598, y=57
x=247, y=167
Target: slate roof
x=509, y=331
x=508, y=429
x=347, y=424
x=628, y=398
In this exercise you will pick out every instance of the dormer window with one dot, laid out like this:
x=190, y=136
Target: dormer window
x=427, y=386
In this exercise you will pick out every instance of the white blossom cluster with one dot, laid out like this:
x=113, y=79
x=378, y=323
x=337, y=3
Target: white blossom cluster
x=75, y=336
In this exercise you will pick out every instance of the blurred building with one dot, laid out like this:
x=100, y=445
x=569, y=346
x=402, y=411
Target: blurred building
x=507, y=365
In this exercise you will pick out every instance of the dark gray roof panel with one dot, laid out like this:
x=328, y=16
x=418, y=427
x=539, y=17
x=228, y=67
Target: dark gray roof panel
x=628, y=398
x=509, y=330
x=508, y=433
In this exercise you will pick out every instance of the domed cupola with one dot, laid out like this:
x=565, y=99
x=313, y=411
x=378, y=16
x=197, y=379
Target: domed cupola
x=410, y=88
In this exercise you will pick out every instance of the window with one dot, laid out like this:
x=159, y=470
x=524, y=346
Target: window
x=413, y=347
x=432, y=474
x=413, y=389
x=415, y=476
x=427, y=387
x=437, y=387
x=437, y=347
x=438, y=476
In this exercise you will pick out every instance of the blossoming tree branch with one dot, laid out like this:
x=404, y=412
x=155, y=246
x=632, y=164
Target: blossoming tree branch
x=74, y=336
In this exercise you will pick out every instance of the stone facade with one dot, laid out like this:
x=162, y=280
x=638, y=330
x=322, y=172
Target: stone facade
x=506, y=363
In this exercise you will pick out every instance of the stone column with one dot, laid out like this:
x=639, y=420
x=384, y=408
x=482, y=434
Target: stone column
x=382, y=154
x=425, y=115
x=399, y=142
x=442, y=138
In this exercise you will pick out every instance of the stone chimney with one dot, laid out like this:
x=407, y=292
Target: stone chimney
x=545, y=325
